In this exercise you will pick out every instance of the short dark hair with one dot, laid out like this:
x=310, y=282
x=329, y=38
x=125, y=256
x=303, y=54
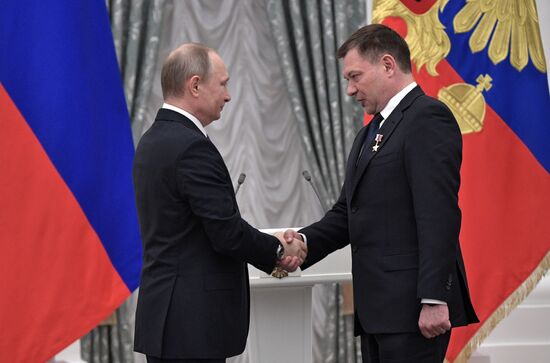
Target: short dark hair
x=183, y=63
x=374, y=40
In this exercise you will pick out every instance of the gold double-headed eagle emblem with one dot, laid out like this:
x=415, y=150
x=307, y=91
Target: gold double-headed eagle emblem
x=509, y=28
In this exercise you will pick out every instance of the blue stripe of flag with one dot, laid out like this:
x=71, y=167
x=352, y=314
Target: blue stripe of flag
x=58, y=64
x=521, y=98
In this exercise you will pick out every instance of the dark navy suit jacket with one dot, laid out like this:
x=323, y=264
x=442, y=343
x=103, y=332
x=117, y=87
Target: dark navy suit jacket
x=399, y=211
x=194, y=296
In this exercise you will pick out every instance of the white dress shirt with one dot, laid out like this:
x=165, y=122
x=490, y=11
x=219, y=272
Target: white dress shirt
x=394, y=101
x=186, y=114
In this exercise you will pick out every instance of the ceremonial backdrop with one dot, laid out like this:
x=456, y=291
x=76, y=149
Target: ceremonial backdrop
x=484, y=59
x=69, y=239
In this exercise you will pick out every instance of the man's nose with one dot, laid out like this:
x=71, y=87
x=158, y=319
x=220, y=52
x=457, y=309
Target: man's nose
x=351, y=90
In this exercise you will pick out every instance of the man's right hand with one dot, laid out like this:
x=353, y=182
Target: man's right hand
x=291, y=235
x=295, y=252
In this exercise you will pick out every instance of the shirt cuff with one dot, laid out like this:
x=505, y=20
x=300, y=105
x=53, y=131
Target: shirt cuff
x=303, y=237
x=433, y=301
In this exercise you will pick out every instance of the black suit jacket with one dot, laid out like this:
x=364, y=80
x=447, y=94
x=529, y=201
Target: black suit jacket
x=194, y=296
x=399, y=211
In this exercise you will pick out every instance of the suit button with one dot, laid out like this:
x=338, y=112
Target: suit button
x=353, y=209
x=448, y=287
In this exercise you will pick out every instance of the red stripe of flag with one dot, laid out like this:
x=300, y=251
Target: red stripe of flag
x=59, y=277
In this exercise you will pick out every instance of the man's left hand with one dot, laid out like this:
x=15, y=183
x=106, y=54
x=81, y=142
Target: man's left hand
x=434, y=320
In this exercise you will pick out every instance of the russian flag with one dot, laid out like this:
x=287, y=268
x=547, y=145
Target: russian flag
x=493, y=77
x=70, y=251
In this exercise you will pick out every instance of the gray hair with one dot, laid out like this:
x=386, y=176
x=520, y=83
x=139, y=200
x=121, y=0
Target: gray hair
x=186, y=61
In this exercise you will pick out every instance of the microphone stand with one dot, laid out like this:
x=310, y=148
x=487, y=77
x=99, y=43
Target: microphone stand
x=240, y=182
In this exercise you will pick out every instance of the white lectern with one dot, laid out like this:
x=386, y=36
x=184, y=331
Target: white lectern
x=280, y=326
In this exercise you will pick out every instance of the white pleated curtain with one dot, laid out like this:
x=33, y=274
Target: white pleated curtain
x=262, y=131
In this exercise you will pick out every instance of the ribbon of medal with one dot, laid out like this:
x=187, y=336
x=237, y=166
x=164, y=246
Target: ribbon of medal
x=378, y=140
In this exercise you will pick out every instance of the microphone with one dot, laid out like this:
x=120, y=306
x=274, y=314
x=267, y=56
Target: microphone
x=307, y=177
x=240, y=182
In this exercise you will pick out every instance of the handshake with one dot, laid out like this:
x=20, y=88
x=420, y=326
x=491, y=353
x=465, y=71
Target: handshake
x=295, y=252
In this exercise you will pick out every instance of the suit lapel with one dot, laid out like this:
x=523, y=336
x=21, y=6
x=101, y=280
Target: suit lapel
x=386, y=130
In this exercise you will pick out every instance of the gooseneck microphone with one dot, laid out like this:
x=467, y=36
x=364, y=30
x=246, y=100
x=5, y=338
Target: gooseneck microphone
x=240, y=182
x=307, y=177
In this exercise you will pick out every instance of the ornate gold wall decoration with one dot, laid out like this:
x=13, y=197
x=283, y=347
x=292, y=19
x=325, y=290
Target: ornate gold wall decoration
x=467, y=103
x=516, y=30
x=426, y=35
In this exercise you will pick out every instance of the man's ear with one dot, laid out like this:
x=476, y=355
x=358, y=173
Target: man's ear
x=193, y=85
x=389, y=63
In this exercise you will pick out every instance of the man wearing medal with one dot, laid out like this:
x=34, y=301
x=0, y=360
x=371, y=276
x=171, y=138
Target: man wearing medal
x=398, y=209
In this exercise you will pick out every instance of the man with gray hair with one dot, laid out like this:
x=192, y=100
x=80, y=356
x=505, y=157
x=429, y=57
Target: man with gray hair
x=193, y=303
